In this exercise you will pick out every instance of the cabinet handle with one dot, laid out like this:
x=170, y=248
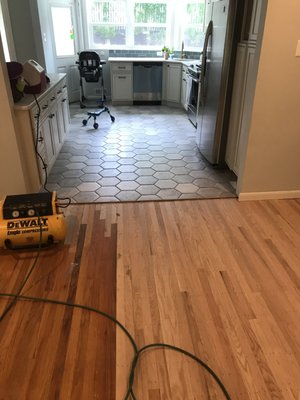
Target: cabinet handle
x=45, y=106
x=53, y=98
x=63, y=100
x=64, y=86
x=122, y=77
x=41, y=139
x=184, y=79
x=59, y=92
x=121, y=67
x=51, y=115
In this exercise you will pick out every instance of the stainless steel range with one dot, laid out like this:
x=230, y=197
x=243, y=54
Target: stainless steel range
x=193, y=87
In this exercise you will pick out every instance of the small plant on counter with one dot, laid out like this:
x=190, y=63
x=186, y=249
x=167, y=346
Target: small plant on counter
x=166, y=52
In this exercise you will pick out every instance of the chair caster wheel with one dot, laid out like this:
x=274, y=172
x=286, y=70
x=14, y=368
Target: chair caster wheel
x=84, y=122
x=95, y=125
x=112, y=119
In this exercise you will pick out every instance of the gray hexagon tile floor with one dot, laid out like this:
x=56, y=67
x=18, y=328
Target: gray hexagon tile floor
x=148, y=153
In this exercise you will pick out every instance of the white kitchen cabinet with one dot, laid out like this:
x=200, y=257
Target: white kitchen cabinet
x=184, y=86
x=255, y=20
x=121, y=82
x=172, y=83
x=41, y=126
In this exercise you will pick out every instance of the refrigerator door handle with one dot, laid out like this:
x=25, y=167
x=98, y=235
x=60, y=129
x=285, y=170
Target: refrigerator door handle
x=208, y=33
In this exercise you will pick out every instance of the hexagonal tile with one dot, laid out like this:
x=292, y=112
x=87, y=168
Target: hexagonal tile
x=144, y=171
x=110, y=158
x=64, y=156
x=140, y=145
x=88, y=187
x=180, y=170
x=67, y=192
x=78, y=158
x=150, y=197
x=90, y=177
x=109, y=199
x=143, y=164
x=191, y=159
x=142, y=157
x=127, y=168
x=86, y=197
x=159, y=160
x=92, y=169
x=183, y=178
x=147, y=189
x=166, y=184
x=127, y=185
x=168, y=194
x=108, y=191
x=187, y=188
x=128, y=195
x=161, y=167
x=111, y=152
x=108, y=181
x=204, y=183
x=127, y=161
x=195, y=166
x=70, y=182
x=146, y=180
x=127, y=176
x=75, y=166
x=109, y=172
x=163, y=175
x=210, y=192
x=126, y=154
x=76, y=173
x=110, y=164
x=174, y=156
x=93, y=161
x=177, y=163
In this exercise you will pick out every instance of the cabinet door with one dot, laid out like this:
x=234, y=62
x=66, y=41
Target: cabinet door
x=183, y=88
x=255, y=20
x=39, y=143
x=173, y=82
x=122, y=87
x=65, y=112
x=47, y=132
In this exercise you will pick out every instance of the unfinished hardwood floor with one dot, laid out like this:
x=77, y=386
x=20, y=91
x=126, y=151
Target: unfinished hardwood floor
x=218, y=278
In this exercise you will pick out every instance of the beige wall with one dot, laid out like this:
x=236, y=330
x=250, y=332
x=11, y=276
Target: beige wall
x=11, y=175
x=272, y=161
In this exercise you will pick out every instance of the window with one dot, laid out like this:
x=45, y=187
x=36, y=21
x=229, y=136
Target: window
x=193, y=23
x=144, y=24
x=63, y=31
x=150, y=24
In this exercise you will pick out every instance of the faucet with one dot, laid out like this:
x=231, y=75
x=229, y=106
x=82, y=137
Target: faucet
x=182, y=55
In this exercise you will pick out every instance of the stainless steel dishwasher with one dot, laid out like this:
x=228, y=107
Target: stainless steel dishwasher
x=147, y=82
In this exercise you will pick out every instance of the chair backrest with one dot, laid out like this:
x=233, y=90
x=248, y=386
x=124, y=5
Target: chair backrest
x=89, y=60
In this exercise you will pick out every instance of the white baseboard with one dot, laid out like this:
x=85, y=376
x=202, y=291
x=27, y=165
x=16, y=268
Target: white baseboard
x=289, y=194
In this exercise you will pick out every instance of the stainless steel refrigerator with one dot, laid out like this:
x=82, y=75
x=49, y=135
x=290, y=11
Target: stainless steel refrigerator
x=216, y=78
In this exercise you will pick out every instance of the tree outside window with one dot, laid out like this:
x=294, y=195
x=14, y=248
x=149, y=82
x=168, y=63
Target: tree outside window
x=145, y=24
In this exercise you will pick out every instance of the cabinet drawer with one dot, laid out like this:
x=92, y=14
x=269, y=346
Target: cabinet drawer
x=44, y=107
x=118, y=66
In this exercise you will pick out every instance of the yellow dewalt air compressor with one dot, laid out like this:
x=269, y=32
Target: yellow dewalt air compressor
x=30, y=220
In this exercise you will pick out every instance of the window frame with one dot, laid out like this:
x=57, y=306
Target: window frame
x=174, y=29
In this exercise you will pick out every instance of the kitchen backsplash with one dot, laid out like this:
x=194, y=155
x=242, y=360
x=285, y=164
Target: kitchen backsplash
x=149, y=53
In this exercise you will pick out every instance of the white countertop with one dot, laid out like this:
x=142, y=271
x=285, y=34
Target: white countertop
x=28, y=100
x=152, y=59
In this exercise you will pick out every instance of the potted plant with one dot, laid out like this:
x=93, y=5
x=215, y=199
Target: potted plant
x=166, y=52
